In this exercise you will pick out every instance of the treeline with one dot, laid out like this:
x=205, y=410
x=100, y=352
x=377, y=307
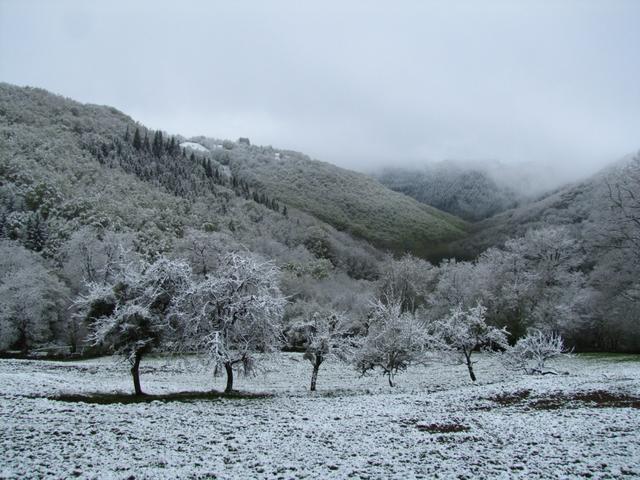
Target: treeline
x=163, y=162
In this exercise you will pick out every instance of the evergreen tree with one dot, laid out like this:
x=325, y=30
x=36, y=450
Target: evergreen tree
x=158, y=144
x=36, y=233
x=3, y=223
x=145, y=144
x=137, y=143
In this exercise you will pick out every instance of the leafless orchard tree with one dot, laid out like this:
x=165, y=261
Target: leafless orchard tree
x=531, y=353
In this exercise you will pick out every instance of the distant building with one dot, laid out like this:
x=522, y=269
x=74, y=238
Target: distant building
x=244, y=140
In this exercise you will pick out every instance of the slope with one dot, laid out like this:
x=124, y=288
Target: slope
x=583, y=207
x=348, y=200
x=67, y=167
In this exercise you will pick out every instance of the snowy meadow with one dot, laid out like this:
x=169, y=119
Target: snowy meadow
x=435, y=423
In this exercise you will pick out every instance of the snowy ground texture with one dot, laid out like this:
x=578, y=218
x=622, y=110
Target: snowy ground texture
x=434, y=424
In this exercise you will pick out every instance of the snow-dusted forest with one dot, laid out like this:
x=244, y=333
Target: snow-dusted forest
x=291, y=240
x=163, y=262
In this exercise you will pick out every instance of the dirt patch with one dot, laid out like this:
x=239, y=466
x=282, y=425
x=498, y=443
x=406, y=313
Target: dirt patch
x=432, y=427
x=120, y=398
x=594, y=399
x=510, y=398
x=442, y=428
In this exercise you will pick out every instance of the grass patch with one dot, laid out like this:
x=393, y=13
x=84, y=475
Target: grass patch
x=611, y=357
x=127, y=398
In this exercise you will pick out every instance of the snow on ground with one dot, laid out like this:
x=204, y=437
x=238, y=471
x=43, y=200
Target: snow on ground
x=194, y=146
x=353, y=427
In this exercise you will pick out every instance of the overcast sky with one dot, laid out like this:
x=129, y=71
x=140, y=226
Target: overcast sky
x=357, y=83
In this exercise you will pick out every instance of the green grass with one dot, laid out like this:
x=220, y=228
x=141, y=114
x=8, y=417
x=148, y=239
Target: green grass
x=352, y=202
x=611, y=357
x=128, y=398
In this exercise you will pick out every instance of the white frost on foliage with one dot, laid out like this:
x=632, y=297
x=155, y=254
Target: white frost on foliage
x=464, y=331
x=530, y=353
x=234, y=312
x=138, y=304
x=394, y=340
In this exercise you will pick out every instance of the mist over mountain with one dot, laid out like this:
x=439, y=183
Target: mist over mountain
x=585, y=207
x=337, y=239
x=469, y=193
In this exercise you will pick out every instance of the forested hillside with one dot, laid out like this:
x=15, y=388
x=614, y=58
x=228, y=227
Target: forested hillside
x=464, y=191
x=585, y=207
x=348, y=200
x=600, y=215
x=91, y=201
x=83, y=187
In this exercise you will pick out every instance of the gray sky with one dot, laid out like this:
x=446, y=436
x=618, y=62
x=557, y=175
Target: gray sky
x=357, y=83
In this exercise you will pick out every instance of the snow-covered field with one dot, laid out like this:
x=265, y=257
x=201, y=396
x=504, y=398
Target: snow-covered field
x=434, y=424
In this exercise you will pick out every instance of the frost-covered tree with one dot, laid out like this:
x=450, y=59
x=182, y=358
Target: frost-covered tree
x=464, y=331
x=32, y=299
x=324, y=337
x=534, y=281
x=94, y=256
x=530, y=353
x=394, y=340
x=458, y=283
x=202, y=249
x=132, y=314
x=36, y=233
x=624, y=195
x=552, y=277
x=622, y=235
x=409, y=279
x=233, y=313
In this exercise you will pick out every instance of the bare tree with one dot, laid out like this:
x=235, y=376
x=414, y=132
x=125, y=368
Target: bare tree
x=624, y=194
x=531, y=352
x=324, y=337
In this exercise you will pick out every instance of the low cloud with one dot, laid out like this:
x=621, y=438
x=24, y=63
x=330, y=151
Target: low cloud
x=362, y=85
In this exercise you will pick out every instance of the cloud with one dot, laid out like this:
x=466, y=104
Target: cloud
x=361, y=85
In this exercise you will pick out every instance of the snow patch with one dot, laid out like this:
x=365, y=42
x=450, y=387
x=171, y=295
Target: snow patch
x=194, y=146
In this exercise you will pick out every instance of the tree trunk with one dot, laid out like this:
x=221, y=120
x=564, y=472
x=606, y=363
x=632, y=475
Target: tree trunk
x=470, y=367
x=135, y=373
x=391, y=379
x=23, y=342
x=314, y=375
x=229, y=369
